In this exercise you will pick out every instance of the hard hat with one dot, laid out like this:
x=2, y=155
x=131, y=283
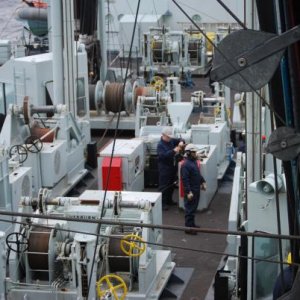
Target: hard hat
x=237, y=97
x=191, y=147
x=167, y=131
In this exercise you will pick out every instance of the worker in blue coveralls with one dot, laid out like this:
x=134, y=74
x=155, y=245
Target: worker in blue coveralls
x=284, y=283
x=168, y=150
x=192, y=181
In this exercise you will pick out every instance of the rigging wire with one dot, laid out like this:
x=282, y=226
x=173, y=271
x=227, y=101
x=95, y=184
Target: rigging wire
x=147, y=242
x=114, y=143
x=278, y=218
x=117, y=129
x=156, y=14
x=198, y=11
x=121, y=37
x=229, y=62
x=232, y=14
x=130, y=8
x=9, y=19
x=101, y=221
x=105, y=131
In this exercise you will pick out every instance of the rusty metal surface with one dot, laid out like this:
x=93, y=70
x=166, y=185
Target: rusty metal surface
x=38, y=242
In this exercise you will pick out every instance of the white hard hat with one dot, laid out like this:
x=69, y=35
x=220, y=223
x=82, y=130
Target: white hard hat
x=237, y=97
x=167, y=131
x=191, y=147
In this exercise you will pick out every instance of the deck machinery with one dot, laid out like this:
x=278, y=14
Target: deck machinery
x=54, y=258
x=173, y=52
x=40, y=132
x=136, y=102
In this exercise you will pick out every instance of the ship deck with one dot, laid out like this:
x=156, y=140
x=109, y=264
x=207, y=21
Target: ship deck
x=198, y=260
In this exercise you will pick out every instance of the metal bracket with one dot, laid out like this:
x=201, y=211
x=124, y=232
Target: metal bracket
x=247, y=59
x=284, y=143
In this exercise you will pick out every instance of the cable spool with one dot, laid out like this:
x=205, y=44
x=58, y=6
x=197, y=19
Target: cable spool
x=40, y=132
x=38, y=248
x=26, y=110
x=115, y=99
x=147, y=91
x=96, y=96
x=193, y=49
x=118, y=261
x=157, y=51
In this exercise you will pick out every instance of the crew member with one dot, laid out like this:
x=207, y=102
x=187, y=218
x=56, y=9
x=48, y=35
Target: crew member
x=192, y=181
x=284, y=282
x=168, y=149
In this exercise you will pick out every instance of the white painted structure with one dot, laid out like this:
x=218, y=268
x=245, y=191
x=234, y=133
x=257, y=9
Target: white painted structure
x=165, y=12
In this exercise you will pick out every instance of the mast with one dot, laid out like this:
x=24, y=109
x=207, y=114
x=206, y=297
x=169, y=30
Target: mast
x=101, y=35
x=57, y=51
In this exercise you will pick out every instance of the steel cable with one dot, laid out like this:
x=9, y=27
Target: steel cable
x=151, y=243
x=229, y=62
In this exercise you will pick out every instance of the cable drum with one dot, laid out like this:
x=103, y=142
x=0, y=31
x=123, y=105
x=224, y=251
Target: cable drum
x=92, y=99
x=38, y=248
x=117, y=98
x=148, y=91
x=96, y=96
x=193, y=49
x=157, y=51
x=117, y=260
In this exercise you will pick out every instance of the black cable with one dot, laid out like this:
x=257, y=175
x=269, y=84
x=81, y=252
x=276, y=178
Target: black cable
x=278, y=218
x=42, y=120
x=229, y=62
x=149, y=243
x=232, y=14
x=105, y=131
x=114, y=143
x=102, y=221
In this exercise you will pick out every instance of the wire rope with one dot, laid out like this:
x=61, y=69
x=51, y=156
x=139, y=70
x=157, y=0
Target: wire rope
x=228, y=61
x=114, y=142
x=150, y=243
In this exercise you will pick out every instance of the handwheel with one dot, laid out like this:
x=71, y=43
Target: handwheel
x=113, y=284
x=33, y=144
x=157, y=82
x=15, y=241
x=133, y=242
x=20, y=151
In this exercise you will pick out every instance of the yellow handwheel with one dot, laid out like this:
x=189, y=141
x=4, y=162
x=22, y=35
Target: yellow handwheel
x=157, y=82
x=217, y=111
x=120, y=285
x=131, y=242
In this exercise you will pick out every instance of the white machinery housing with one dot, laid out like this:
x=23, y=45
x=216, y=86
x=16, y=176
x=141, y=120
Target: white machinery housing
x=127, y=172
x=55, y=258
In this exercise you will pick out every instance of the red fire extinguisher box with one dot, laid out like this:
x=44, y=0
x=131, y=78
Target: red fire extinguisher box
x=114, y=182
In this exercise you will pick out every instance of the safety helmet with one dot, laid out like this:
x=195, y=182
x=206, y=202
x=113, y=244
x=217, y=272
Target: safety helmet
x=168, y=131
x=191, y=148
